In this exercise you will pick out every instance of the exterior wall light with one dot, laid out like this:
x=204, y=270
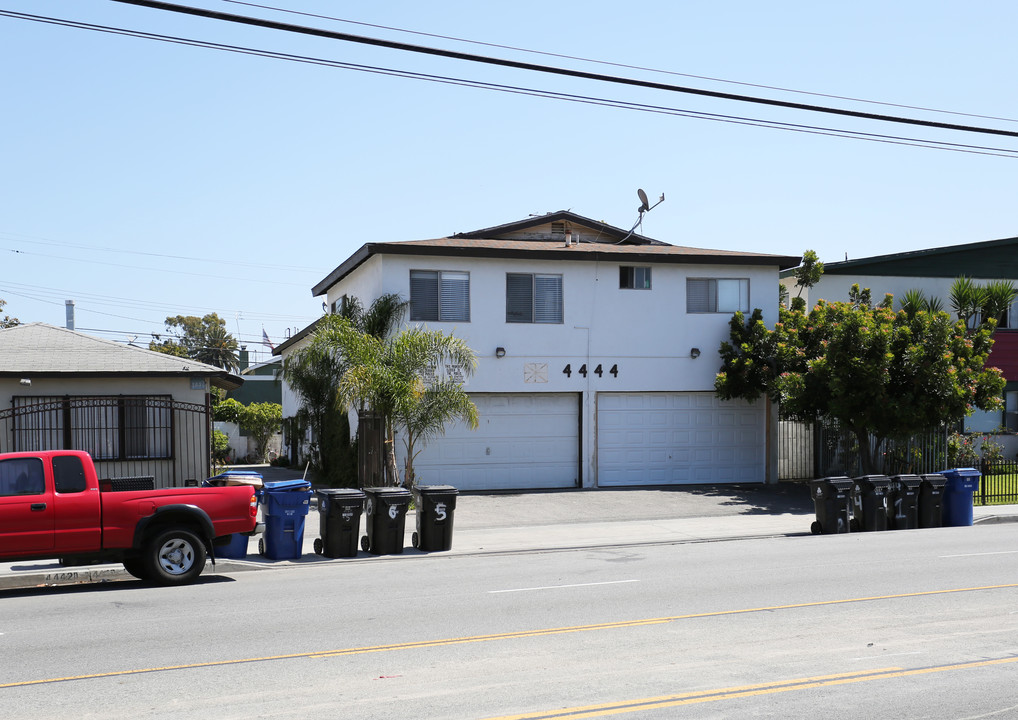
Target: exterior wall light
x=500, y=352
x=26, y=381
x=694, y=353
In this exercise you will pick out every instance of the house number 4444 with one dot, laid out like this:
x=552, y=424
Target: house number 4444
x=599, y=370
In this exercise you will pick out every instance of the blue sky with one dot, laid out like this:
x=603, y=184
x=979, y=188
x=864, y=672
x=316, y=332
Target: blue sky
x=144, y=179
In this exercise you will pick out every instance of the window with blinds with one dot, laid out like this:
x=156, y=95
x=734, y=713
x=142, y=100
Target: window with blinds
x=439, y=295
x=717, y=295
x=533, y=298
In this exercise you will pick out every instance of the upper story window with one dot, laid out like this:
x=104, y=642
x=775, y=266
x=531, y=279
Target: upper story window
x=634, y=278
x=533, y=298
x=717, y=295
x=440, y=295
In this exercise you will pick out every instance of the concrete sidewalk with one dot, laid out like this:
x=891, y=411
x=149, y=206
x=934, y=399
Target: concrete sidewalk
x=486, y=523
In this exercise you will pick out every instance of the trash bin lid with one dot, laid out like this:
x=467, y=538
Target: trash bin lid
x=340, y=492
x=436, y=489
x=935, y=479
x=840, y=482
x=908, y=480
x=287, y=485
x=961, y=472
x=873, y=480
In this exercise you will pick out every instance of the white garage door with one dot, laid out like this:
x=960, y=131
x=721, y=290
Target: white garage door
x=524, y=441
x=678, y=438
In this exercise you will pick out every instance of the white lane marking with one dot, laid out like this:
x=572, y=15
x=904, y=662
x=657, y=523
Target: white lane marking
x=1002, y=552
x=556, y=587
x=881, y=656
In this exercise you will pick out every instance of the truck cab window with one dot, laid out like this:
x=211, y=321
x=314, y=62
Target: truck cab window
x=22, y=476
x=68, y=474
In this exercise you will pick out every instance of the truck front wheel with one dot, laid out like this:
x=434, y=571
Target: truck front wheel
x=174, y=557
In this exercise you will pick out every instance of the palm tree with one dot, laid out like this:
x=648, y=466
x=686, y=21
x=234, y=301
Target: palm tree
x=387, y=375
x=315, y=370
x=976, y=304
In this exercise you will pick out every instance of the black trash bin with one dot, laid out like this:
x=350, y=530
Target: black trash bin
x=339, y=521
x=903, y=502
x=385, y=519
x=931, y=499
x=436, y=505
x=833, y=503
x=869, y=502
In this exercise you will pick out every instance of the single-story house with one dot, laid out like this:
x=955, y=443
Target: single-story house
x=933, y=271
x=139, y=413
x=597, y=352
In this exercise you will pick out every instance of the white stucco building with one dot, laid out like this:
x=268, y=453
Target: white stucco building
x=597, y=352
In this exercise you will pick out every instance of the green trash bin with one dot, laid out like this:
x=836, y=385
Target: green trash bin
x=833, y=503
x=436, y=505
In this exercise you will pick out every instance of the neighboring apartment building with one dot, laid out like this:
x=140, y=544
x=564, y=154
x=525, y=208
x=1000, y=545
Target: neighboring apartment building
x=933, y=271
x=597, y=351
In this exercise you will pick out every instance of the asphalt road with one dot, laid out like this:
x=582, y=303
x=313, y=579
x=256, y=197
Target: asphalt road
x=922, y=624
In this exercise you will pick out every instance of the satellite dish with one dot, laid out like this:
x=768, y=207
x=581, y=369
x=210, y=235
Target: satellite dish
x=643, y=199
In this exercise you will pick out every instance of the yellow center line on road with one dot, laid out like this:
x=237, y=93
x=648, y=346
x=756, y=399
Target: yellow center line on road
x=733, y=693
x=499, y=636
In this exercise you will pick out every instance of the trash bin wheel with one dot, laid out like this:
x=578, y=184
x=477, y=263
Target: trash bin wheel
x=415, y=540
x=318, y=546
x=364, y=543
x=261, y=546
x=815, y=528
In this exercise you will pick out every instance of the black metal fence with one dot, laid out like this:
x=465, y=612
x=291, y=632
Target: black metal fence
x=128, y=436
x=998, y=483
x=808, y=450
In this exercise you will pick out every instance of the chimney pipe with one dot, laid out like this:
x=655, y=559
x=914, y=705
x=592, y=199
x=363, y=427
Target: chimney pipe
x=69, y=307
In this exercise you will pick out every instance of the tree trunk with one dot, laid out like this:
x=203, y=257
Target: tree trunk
x=867, y=451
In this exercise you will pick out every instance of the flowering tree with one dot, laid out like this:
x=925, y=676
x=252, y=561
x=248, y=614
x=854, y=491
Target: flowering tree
x=879, y=372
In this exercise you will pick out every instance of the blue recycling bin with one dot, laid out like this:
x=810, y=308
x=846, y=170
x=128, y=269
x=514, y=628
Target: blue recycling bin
x=236, y=549
x=285, y=508
x=957, y=498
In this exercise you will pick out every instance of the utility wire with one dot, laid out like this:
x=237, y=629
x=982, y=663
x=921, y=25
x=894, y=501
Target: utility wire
x=347, y=37
x=619, y=65
x=753, y=122
x=15, y=237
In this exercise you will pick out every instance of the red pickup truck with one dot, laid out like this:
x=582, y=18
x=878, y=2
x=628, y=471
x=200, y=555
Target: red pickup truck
x=51, y=506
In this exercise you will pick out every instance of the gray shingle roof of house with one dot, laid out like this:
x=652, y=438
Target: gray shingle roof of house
x=512, y=240
x=41, y=349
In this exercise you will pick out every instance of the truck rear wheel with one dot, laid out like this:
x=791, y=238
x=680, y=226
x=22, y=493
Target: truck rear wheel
x=174, y=557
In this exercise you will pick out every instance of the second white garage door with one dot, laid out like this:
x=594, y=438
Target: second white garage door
x=678, y=438
x=524, y=441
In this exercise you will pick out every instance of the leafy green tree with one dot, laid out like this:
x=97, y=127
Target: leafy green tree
x=879, y=372
x=809, y=272
x=6, y=321
x=387, y=375
x=262, y=420
x=204, y=339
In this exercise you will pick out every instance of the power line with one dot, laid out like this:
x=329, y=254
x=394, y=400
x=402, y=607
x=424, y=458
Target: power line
x=420, y=49
x=232, y=263
x=620, y=65
x=753, y=122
